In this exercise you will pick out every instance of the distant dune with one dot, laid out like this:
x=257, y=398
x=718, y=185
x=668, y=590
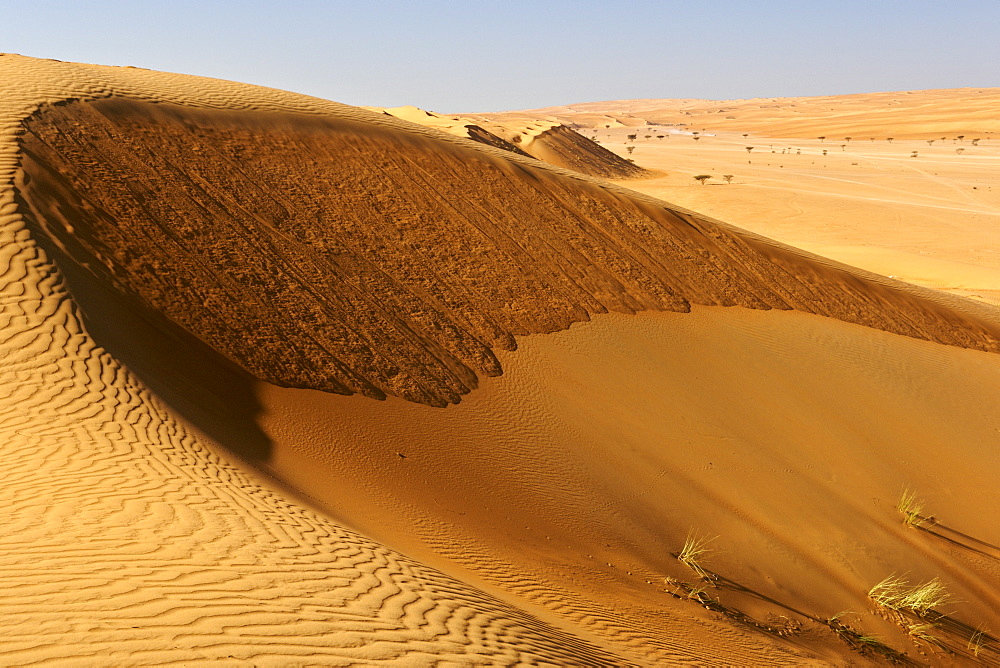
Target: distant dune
x=922, y=114
x=199, y=273
x=548, y=141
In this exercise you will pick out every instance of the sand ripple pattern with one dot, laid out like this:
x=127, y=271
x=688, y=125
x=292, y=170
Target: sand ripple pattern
x=126, y=541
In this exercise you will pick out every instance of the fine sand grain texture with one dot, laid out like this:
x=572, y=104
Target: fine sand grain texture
x=196, y=269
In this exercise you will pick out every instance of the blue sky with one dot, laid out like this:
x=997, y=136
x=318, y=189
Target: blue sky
x=515, y=54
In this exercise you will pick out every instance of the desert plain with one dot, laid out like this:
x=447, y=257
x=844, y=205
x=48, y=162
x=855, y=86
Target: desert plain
x=288, y=382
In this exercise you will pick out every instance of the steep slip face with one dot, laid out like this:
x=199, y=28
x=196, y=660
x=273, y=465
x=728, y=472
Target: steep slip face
x=564, y=147
x=331, y=253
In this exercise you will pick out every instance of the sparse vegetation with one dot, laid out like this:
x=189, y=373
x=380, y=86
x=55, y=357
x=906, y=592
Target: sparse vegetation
x=895, y=593
x=923, y=633
x=695, y=550
x=975, y=142
x=911, y=508
x=867, y=645
x=959, y=150
x=701, y=178
x=977, y=641
x=930, y=142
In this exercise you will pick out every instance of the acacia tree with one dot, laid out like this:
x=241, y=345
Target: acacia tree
x=701, y=178
x=959, y=150
x=847, y=139
x=975, y=142
x=889, y=139
x=728, y=178
x=630, y=149
x=749, y=148
x=821, y=138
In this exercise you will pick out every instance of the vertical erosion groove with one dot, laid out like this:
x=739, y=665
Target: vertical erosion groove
x=352, y=258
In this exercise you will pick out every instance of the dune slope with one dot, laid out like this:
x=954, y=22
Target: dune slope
x=351, y=257
x=548, y=141
x=178, y=249
x=916, y=114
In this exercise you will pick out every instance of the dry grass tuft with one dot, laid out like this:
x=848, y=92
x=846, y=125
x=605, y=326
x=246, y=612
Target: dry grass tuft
x=896, y=593
x=911, y=508
x=694, y=550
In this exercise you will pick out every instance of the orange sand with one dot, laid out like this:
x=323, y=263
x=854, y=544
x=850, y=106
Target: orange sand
x=167, y=504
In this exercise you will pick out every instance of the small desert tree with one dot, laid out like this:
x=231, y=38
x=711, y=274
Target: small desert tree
x=889, y=139
x=930, y=142
x=824, y=151
x=913, y=154
x=696, y=137
x=975, y=142
x=749, y=148
x=701, y=178
x=728, y=178
x=746, y=134
x=632, y=137
x=959, y=150
x=821, y=138
x=847, y=139
x=630, y=149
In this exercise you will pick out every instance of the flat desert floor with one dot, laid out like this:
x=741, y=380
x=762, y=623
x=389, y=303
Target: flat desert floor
x=932, y=220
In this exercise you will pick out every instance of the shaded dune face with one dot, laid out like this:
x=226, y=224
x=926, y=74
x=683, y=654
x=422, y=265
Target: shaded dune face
x=334, y=254
x=567, y=148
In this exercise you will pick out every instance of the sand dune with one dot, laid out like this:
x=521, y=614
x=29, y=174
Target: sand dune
x=196, y=269
x=545, y=139
x=921, y=114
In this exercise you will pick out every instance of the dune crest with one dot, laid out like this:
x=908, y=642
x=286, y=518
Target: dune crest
x=547, y=140
x=175, y=248
x=347, y=256
x=915, y=114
